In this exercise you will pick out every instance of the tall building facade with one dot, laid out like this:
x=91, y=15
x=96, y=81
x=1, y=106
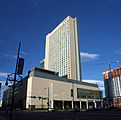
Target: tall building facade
x=112, y=85
x=62, y=52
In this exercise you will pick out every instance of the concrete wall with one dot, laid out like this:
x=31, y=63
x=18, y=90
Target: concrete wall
x=58, y=90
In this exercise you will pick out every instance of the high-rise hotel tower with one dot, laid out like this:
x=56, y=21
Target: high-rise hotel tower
x=62, y=52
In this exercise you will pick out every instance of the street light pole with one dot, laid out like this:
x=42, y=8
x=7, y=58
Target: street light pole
x=12, y=102
x=0, y=89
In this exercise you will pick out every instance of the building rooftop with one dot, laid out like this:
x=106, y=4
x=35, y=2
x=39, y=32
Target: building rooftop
x=38, y=72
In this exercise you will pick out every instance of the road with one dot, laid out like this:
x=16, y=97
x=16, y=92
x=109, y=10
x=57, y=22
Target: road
x=37, y=115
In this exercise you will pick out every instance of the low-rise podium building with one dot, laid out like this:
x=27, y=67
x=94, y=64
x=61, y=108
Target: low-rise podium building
x=45, y=89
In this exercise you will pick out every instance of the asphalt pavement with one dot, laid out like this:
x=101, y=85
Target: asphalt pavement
x=39, y=115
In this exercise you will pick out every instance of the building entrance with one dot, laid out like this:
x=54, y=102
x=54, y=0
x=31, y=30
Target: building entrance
x=67, y=105
x=91, y=104
x=57, y=105
x=77, y=104
x=83, y=103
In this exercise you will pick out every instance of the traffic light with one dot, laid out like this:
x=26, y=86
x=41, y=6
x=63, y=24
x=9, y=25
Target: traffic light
x=39, y=98
x=48, y=104
x=33, y=97
x=72, y=93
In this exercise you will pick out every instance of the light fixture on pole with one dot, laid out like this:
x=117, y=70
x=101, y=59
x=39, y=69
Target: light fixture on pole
x=13, y=78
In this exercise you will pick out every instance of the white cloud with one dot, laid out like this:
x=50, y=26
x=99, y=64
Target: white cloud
x=86, y=57
x=3, y=74
x=7, y=55
x=3, y=82
x=99, y=82
x=23, y=53
x=102, y=87
x=118, y=51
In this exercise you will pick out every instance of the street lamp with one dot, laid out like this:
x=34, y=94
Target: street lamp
x=13, y=78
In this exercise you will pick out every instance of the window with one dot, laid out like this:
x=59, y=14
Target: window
x=89, y=94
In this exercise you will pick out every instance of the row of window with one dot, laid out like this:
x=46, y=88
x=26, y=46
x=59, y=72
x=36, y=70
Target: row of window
x=116, y=86
x=58, y=53
x=88, y=94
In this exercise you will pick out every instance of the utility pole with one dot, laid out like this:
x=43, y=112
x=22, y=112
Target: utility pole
x=0, y=89
x=12, y=102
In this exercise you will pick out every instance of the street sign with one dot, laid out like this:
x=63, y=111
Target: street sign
x=33, y=97
x=20, y=66
x=44, y=98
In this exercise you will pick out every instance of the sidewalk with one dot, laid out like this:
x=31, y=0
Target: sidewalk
x=3, y=118
x=3, y=115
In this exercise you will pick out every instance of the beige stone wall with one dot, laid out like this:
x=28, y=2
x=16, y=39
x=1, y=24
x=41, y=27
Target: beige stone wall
x=29, y=92
x=58, y=90
x=72, y=51
x=46, y=52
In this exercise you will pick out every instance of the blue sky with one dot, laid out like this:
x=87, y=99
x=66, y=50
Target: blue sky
x=29, y=21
